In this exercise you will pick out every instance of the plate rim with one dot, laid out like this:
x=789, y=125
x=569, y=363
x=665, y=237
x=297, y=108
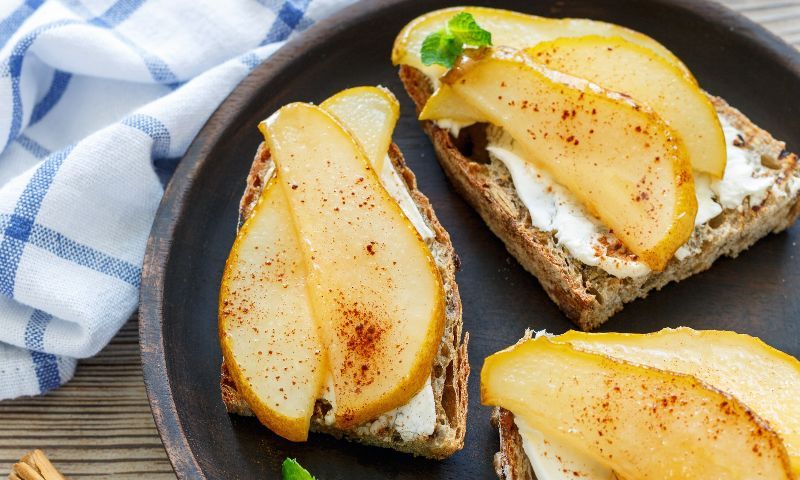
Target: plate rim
x=173, y=205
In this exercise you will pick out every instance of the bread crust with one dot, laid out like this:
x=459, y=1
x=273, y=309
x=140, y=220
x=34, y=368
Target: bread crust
x=510, y=463
x=586, y=294
x=450, y=369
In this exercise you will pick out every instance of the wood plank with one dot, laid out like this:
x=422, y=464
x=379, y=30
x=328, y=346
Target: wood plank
x=97, y=426
x=100, y=425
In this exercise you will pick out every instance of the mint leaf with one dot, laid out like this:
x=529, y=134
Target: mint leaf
x=292, y=470
x=444, y=46
x=466, y=30
x=440, y=48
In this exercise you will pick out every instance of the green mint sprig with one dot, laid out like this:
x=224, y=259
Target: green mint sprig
x=292, y=470
x=444, y=46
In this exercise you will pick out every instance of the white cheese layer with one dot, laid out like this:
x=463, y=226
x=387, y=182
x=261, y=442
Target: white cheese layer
x=554, y=209
x=397, y=189
x=744, y=174
x=417, y=418
x=452, y=126
x=554, y=460
x=707, y=207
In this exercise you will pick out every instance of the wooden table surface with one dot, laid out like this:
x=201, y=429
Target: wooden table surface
x=100, y=425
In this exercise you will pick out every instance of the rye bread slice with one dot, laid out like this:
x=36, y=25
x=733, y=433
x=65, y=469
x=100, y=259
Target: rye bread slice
x=450, y=369
x=587, y=294
x=511, y=462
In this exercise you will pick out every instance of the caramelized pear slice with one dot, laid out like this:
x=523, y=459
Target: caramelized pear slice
x=626, y=67
x=620, y=159
x=513, y=29
x=763, y=378
x=268, y=335
x=446, y=104
x=643, y=422
x=370, y=115
x=375, y=287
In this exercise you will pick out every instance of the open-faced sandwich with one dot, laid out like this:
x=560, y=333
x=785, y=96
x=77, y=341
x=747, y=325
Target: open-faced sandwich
x=339, y=311
x=592, y=152
x=676, y=404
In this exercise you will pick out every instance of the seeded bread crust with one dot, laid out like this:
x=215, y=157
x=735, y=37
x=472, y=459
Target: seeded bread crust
x=510, y=463
x=450, y=368
x=586, y=294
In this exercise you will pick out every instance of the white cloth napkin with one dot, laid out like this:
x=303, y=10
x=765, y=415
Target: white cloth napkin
x=98, y=101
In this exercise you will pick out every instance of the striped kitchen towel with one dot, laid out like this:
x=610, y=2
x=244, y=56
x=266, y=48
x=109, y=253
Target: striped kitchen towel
x=98, y=101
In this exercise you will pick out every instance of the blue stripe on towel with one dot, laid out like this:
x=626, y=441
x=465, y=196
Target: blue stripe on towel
x=78, y=253
x=32, y=146
x=11, y=23
x=118, y=13
x=44, y=364
x=250, y=60
x=153, y=127
x=20, y=224
x=289, y=16
x=68, y=249
x=57, y=88
x=15, y=69
x=115, y=15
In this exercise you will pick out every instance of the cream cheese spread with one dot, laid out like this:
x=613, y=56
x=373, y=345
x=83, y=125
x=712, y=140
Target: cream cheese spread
x=554, y=460
x=707, y=207
x=452, y=126
x=397, y=189
x=554, y=209
x=744, y=174
x=417, y=418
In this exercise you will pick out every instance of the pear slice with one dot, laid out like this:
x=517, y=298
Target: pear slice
x=446, y=104
x=513, y=29
x=643, y=422
x=268, y=335
x=763, y=378
x=370, y=115
x=621, y=160
x=375, y=287
x=626, y=67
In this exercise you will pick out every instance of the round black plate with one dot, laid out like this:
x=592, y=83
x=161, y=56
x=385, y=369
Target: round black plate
x=195, y=227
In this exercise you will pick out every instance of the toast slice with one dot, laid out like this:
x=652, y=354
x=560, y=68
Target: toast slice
x=450, y=369
x=511, y=462
x=587, y=294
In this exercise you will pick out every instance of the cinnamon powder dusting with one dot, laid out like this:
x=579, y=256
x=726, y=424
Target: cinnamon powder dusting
x=362, y=332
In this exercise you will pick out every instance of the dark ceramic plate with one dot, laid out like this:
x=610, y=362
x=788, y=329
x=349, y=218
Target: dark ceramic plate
x=194, y=229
